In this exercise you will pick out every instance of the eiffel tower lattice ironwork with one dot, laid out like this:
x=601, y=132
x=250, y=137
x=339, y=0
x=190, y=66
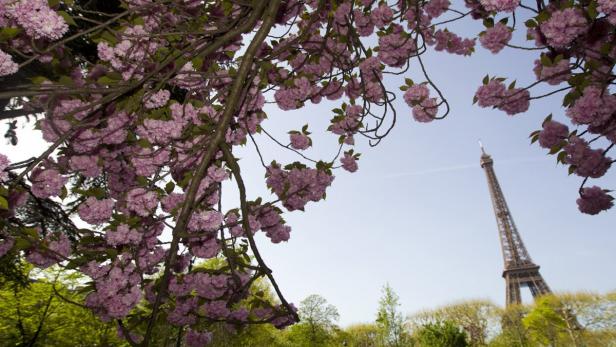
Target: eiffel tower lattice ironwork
x=519, y=267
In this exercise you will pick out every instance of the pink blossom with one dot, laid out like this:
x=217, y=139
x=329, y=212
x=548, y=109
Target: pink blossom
x=553, y=133
x=198, y=339
x=495, y=38
x=6, y=244
x=416, y=94
x=205, y=221
x=123, y=235
x=435, y=8
x=278, y=233
x=147, y=162
x=426, y=111
x=86, y=164
x=382, y=15
x=182, y=314
x=117, y=288
x=299, y=141
x=160, y=131
x=490, y=94
x=349, y=162
x=353, y=89
x=342, y=13
x=609, y=8
x=588, y=162
x=240, y=314
x=7, y=65
x=38, y=20
x=447, y=41
x=297, y=186
x=593, y=200
x=55, y=124
x=217, y=174
x=206, y=249
x=554, y=74
x=273, y=225
x=363, y=23
x=96, y=211
x=55, y=248
x=564, y=26
x=291, y=98
x=348, y=124
x=595, y=107
x=500, y=5
x=141, y=201
x=371, y=69
x=46, y=183
x=158, y=99
x=396, y=48
x=208, y=286
x=172, y=201
x=515, y=101
x=4, y=163
x=216, y=309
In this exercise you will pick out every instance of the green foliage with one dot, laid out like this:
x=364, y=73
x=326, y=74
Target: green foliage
x=46, y=309
x=576, y=320
x=441, y=334
x=389, y=320
x=475, y=317
x=39, y=315
x=362, y=335
x=513, y=332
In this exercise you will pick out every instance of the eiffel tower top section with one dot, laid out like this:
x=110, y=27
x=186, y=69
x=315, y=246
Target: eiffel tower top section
x=515, y=254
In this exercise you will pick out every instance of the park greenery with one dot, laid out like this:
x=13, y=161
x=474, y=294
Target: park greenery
x=48, y=310
x=144, y=104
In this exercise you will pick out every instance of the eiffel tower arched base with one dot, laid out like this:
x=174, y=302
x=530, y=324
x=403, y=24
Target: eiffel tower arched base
x=528, y=276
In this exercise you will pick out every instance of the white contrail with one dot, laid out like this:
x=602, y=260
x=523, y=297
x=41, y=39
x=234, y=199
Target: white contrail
x=461, y=167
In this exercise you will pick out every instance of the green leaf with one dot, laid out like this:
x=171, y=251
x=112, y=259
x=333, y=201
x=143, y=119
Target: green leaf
x=142, y=181
x=67, y=17
x=67, y=81
x=4, y=204
x=144, y=143
x=486, y=80
x=8, y=33
x=543, y=16
x=592, y=10
x=534, y=138
x=545, y=60
x=555, y=149
x=169, y=187
x=38, y=79
x=64, y=193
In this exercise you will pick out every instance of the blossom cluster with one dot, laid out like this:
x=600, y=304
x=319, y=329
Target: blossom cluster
x=493, y=93
x=142, y=118
x=298, y=185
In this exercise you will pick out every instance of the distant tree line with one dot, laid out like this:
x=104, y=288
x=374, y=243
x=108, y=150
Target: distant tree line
x=47, y=310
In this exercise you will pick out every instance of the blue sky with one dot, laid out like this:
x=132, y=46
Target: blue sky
x=417, y=215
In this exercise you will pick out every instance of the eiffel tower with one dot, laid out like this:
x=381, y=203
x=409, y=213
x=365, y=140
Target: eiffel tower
x=519, y=267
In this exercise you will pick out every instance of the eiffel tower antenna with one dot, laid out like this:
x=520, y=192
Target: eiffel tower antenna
x=519, y=268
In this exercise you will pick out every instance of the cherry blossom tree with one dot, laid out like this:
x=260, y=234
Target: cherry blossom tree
x=143, y=102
